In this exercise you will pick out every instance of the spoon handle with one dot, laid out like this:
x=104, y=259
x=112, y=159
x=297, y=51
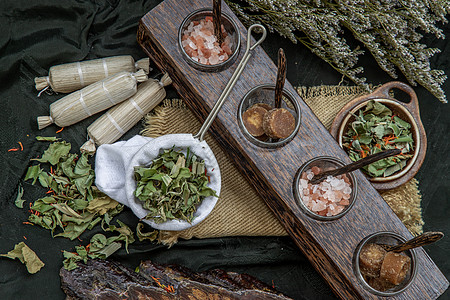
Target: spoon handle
x=281, y=77
x=355, y=165
x=420, y=240
x=217, y=15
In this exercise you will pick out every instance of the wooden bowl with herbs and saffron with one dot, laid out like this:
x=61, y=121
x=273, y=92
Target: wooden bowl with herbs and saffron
x=377, y=122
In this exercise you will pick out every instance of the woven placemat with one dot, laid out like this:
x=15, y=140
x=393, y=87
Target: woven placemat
x=240, y=211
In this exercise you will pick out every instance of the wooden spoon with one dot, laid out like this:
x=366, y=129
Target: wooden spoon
x=419, y=241
x=281, y=78
x=217, y=20
x=355, y=165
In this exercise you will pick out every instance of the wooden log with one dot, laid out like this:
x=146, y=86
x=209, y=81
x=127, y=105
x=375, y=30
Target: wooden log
x=328, y=245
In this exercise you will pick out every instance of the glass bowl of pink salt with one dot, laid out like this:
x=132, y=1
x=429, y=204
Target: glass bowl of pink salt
x=201, y=48
x=381, y=272
x=330, y=199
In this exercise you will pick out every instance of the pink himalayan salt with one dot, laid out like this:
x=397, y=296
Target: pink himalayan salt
x=328, y=198
x=200, y=43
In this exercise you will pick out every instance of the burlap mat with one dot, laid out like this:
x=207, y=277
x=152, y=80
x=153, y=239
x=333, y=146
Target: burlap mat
x=240, y=211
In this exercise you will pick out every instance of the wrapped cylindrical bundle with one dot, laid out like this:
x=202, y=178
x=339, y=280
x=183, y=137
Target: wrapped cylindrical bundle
x=70, y=77
x=120, y=118
x=92, y=99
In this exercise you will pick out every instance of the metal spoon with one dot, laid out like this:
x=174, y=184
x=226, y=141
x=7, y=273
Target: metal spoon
x=234, y=78
x=419, y=241
x=355, y=165
x=217, y=20
x=281, y=77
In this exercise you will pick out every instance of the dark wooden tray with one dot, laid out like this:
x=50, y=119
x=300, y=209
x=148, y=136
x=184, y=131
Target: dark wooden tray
x=328, y=245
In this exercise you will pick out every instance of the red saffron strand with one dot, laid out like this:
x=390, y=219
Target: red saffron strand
x=58, y=131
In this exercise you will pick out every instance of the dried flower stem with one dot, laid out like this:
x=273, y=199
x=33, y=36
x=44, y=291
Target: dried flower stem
x=389, y=30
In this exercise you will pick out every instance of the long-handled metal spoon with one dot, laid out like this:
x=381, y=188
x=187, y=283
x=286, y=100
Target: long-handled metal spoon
x=234, y=78
x=425, y=238
x=217, y=20
x=355, y=165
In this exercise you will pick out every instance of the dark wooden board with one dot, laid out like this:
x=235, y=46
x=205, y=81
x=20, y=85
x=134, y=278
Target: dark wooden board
x=328, y=245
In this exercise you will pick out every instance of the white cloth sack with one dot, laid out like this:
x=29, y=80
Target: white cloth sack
x=114, y=172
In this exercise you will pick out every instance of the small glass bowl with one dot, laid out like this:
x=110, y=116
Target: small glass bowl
x=324, y=162
x=388, y=238
x=266, y=94
x=230, y=26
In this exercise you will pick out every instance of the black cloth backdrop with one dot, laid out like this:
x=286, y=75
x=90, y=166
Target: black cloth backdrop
x=36, y=35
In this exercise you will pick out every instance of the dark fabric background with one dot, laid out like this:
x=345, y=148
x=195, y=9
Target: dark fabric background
x=36, y=35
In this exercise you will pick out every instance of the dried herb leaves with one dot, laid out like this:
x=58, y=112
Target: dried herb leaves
x=26, y=256
x=173, y=186
x=375, y=129
x=99, y=246
x=73, y=204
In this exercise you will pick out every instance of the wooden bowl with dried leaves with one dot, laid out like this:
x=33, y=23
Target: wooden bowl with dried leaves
x=347, y=121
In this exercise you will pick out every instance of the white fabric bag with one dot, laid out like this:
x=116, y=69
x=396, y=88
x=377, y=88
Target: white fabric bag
x=114, y=172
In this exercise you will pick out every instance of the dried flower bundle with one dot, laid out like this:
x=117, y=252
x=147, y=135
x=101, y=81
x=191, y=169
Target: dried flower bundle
x=66, y=78
x=390, y=30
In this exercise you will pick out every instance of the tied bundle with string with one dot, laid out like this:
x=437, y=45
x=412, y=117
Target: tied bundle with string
x=66, y=78
x=116, y=121
x=92, y=99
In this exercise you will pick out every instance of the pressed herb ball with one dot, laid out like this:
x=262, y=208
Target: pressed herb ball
x=173, y=186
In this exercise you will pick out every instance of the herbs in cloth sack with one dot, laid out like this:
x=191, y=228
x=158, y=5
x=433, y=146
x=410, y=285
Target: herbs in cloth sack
x=115, y=173
x=375, y=129
x=172, y=186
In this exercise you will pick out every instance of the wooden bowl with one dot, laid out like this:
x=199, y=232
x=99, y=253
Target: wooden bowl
x=406, y=111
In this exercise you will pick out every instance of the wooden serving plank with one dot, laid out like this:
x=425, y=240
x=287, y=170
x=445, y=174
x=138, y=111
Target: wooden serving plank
x=328, y=245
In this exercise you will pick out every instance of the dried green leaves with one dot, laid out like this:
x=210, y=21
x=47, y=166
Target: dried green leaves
x=73, y=204
x=172, y=187
x=26, y=256
x=375, y=129
x=19, y=201
x=151, y=235
x=100, y=246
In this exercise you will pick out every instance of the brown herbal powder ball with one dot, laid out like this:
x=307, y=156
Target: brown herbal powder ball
x=253, y=119
x=370, y=260
x=395, y=267
x=278, y=123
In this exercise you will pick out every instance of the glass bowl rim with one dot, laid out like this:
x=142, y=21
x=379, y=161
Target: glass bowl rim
x=357, y=270
x=300, y=201
x=230, y=59
x=254, y=140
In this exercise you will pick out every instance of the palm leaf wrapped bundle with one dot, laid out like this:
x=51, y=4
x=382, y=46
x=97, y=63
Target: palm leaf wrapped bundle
x=119, y=119
x=66, y=78
x=92, y=99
